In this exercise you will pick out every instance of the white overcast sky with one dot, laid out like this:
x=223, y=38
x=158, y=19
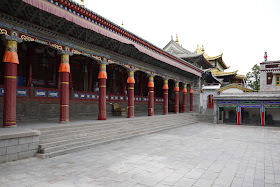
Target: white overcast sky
x=240, y=29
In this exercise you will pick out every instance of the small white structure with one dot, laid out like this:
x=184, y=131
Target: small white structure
x=270, y=76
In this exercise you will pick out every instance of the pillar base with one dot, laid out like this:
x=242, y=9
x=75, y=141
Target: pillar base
x=101, y=118
x=10, y=126
x=64, y=122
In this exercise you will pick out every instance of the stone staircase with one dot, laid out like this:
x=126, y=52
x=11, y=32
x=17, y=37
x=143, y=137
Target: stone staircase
x=55, y=141
x=208, y=116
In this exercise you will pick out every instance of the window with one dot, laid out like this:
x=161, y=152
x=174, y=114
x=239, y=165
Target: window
x=277, y=80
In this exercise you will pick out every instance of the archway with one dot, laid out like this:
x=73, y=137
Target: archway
x=171, y=95
x=210, y=102
x=158, y=106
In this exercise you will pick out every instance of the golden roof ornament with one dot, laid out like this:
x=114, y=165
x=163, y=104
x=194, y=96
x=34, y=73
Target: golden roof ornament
x=82, y=3
x=202, y=48
x=177, y=41
x=122, y=24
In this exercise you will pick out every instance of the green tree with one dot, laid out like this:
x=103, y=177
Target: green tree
x=253, y=78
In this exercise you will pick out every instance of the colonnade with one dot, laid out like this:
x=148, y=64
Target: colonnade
x=10, y=86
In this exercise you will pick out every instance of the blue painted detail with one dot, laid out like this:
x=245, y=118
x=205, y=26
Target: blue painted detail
x=22, y=92
x=250, y=106
x=76, y=95
x=82, y=96
x=40, y=93
x=88, y=96
x=107, y=97
x=19, y=80
x=122, y=98
x=1, y=91
x=53, y=94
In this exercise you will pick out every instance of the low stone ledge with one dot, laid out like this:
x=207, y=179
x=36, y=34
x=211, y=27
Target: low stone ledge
x=18, y=145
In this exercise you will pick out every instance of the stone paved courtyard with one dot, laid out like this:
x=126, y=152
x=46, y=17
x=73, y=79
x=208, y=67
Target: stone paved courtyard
x=194, y=155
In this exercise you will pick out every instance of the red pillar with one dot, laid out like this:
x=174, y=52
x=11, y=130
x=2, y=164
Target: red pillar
x=10, y=84
x=151, y=96
x=102, y=76
x=130, y=87
x=238, y=115
x=191, y=100
x=165, y=97
x=184, y=98
x=64, y=70
x=176, y=90
x=262, y=116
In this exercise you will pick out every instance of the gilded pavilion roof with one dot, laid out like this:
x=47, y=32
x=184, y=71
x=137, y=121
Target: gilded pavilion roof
x=217, y=73
x=211, y=59
x=174, y=48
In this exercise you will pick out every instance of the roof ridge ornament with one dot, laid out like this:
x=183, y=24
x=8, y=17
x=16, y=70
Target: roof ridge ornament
x=82, y=3
x=265, y=56
x=177, y=41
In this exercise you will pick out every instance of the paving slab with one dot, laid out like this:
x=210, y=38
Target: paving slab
x=201, y=154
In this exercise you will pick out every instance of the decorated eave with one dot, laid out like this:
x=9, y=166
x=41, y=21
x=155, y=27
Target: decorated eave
x=271, y=62
x=85, y=18
x=215, y=72
x=271, y=66
x=219, y=58
x=234, y=86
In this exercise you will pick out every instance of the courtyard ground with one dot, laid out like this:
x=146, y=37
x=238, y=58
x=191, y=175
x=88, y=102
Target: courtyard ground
x=201, y=154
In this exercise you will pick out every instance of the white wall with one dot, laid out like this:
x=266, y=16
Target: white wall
x=231, y=90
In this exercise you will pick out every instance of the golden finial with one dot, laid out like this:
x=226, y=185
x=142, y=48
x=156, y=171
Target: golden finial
x=177, y=41
x=202, y=48
x=122, y=24
x=82, y=3
x=197, y=46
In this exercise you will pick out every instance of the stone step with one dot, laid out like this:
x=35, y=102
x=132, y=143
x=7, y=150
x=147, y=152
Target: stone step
x=112, y=139
x=89, y=137
x=94, y=133
x=93, y=129
x=56, y=130
x=204, y=118
x=58, y=140
x=122, y=120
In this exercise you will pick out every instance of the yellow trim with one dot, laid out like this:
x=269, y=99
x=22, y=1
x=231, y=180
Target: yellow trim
x=10, y=77
x=9, y=121
x=130, y=88
x=165, y=93
x=234, y=86
x=64, y=82
x=215, y=72
x=102, y=86
x=278, y=81
x=64, y=105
